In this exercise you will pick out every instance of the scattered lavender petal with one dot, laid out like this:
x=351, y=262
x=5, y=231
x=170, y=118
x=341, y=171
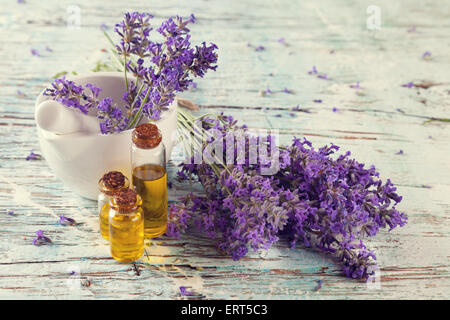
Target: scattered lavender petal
x=278, y=115
x=426, y=55
x=313, y=71
x=400, y=110
x=286, y=90
x=103, y=27
x=323, y=76
x=260, y=48
x=400, y=152
x=41, y=238
x=185, y=292
x=317, y=100
x=20, y=93
x=319, y=285
x=408, y=85
x=33, y=156
x=335, y=109
x=65, y=221
x=283, y=42
x=169, y=184
x=47, y=48
x=10, y=212
x=35, y=52
x=355, y=86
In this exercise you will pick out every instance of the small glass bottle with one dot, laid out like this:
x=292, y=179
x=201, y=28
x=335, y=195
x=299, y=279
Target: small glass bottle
x=126, y=226
x=149, y=177
x=109, y=184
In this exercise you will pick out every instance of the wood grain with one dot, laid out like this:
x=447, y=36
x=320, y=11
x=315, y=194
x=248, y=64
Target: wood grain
x=374, y=122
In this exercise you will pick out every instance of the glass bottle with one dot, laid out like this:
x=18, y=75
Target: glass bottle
x=126, y=226
x=109, y=184
x=149, y=177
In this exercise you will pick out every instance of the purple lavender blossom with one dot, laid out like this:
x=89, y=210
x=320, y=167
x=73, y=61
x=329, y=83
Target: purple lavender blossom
x=399, y=152
x=35, y=53
x=426, y=55
x=327, y=202
x=33, y=156
x=335, y=109
x=161, y=69
x=41, y=238
x=408, y=85
x=185, y=292
x=73, y=96
x=355, y=86
x=313, y=71
x=288, y=91
x=66, y=221
x=10, y=213
x=283, y=42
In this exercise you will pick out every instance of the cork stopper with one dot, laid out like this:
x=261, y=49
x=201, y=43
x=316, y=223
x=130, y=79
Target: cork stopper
x=112, y=181
x=125, y=197
x=146, y=136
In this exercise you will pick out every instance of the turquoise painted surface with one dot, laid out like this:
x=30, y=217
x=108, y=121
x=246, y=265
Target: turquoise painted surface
x=374, y=122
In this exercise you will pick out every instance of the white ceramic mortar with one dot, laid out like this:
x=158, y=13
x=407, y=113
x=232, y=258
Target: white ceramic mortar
x=80, y=159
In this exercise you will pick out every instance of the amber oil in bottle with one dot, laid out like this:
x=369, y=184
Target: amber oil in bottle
x=109, y=184
x=149, y=177
x=126, y=226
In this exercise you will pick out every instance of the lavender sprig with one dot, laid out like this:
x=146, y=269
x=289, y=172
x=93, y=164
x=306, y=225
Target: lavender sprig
x=324, y=201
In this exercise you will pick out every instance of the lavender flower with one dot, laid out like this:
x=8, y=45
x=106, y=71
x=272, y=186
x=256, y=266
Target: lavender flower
x=185, y=292
x=161, y=69
x=41, y=238
x=66, y=221
x=317, y=101
x=313, y=71
x=35, y=52
x=355, y=86
x=71, y=95
x=283, y=42
x=327, y=202
x=426, y=55
x=33, y=156
x=408, y=85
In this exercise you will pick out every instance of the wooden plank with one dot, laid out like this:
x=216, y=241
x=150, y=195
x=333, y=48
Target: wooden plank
x=374, y=122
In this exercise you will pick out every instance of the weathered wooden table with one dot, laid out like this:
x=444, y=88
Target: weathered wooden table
x=379, y=47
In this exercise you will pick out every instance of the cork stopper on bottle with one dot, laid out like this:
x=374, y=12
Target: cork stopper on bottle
x=112, y=181
x=126, y=200
x=125, y=197
x=146, y=136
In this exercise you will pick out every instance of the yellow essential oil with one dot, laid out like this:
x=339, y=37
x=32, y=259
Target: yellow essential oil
x=126, y=226
x=109, y=184
x=150, y=182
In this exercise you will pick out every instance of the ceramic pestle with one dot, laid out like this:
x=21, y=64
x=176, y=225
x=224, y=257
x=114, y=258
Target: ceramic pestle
x=54, y=117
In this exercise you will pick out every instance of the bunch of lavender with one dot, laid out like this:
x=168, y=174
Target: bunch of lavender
x=327, y=203
x=159, y=70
